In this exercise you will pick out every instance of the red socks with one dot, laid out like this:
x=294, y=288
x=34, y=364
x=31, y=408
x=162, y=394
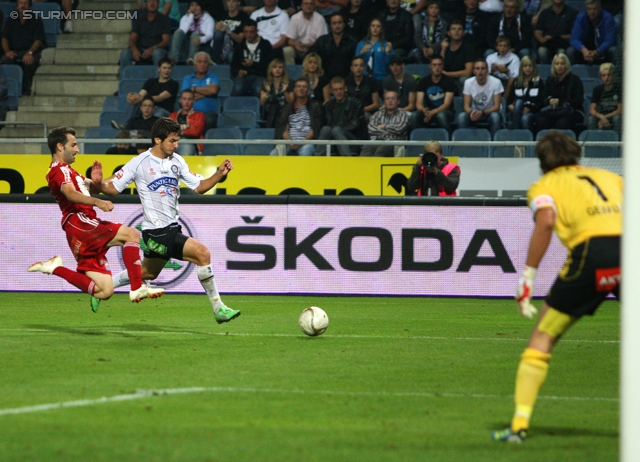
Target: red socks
x=81, y=281
x=131, y=257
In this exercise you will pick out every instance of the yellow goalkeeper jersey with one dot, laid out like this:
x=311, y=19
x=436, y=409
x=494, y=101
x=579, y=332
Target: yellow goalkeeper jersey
x=587, y=202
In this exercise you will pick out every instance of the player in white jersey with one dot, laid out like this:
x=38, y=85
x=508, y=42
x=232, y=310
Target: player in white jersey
x=157, y=174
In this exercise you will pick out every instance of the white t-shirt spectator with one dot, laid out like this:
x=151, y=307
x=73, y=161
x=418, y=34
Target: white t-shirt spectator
x=271, y=26
x=510, y=60
x=482, y=95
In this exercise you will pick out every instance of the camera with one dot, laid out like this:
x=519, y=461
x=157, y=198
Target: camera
x=429, y=159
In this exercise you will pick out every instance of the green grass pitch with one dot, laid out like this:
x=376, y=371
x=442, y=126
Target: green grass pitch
x=392, y=379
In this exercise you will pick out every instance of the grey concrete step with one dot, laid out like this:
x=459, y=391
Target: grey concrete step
x=77, y=70
x=71, y=45
x=117, y=5
x=108, y=26
x=74, y=87
x=54, y=119
x=78, y=77
x=66, y=101
x=87, y=56
x=98, y=39
x=22, y=148
x=35, y=110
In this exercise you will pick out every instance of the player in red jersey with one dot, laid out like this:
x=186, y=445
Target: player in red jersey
x=89, y=237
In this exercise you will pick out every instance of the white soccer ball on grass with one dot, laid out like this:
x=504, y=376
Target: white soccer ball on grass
x=313, y=321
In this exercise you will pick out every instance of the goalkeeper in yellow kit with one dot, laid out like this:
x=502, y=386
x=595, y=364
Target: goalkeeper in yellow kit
x=584, y=207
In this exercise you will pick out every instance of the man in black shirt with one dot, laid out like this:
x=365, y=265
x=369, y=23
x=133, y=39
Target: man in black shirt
x=398, y=27
x=475, y=23
x=228, y=32
x=336, y=48
x=458, y=54
x=345, y=119
x=515, y=26
x=434, y=102
x=140, y=127
x=250, y=61
x=363, y=87
x=149, y=38
x=553, y=30
x=22, y=40
x=162, y=89
x=357, y=18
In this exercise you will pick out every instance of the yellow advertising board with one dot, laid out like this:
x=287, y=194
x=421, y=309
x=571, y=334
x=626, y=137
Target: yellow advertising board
x=25, y=173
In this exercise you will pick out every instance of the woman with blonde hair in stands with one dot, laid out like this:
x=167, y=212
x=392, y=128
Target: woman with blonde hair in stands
x=563, y=97
x=277, y=90
x=526, y=99
x=313, y=71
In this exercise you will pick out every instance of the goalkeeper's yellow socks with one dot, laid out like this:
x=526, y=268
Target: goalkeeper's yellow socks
x=531, y=374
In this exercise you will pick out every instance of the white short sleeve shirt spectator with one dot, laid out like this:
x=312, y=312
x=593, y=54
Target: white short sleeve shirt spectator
x=482, y=95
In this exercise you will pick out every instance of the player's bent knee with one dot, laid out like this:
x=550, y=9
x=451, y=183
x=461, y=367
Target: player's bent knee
x=131, y=234
x=555, y=323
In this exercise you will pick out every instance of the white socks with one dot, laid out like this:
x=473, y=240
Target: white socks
x=205, y=275
x=121, y=279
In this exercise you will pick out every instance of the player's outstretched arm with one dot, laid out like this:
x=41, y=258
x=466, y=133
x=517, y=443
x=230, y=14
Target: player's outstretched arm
x=208, y=183
x=78, y=198
x=540, y=239
x=99, y=183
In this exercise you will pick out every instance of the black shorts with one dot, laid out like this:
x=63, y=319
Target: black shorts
x=164, y=243
x=591, y=272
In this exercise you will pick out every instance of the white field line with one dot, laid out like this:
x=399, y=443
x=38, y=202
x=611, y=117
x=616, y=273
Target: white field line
x=140, y=394
x=244, y=334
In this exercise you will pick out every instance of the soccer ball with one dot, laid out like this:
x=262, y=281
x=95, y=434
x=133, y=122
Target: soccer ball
x=313, y=321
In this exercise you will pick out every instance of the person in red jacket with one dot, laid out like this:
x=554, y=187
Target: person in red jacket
x=191, y=123
x=440, y=179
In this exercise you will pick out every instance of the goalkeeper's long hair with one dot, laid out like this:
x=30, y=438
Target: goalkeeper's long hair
x=557, y=149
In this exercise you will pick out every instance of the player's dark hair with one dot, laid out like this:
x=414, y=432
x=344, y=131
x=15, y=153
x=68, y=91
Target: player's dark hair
x=59, y=135
x=163, y=127
x=557, y=149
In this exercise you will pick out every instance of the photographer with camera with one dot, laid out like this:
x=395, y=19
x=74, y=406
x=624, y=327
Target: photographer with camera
x=433, y=175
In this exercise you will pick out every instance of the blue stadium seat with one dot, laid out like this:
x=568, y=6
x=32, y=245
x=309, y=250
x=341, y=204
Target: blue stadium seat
x=544, y=70
x=541, y=133
x=589, y=85
x=130, y=85
x=115, y=103
x=107, y=116
x=600, y=135
x=242, y=119
x=139, y=72
x=222, y=149
x=511, y=135
x=239, y=103
x=470, y=134
x=100, y=132
x=223, y=71
x=426, y=134
x=226, y=85
x=294, y=71
x=259, y=134
x=586, y=71
x=13, y=71
x=417, y=69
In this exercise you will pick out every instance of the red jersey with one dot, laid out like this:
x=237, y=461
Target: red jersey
x=60, y=174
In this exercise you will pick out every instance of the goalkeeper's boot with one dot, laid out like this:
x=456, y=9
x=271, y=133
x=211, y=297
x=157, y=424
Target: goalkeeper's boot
x=145, y=291
x=225, y=314
x=95, y=303
x=509, y=435
x=46, y=267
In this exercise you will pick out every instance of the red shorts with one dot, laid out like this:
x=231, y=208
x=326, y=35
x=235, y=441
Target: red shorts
x=88, y=239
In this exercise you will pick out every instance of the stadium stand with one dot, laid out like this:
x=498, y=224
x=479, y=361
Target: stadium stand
x=427, y=134
x=470, y=134
x=512, y=135
x=51, y=26
x=600, y=135
x=101, y=132
x=541, y=133
x=230, y=133
x=259, y=134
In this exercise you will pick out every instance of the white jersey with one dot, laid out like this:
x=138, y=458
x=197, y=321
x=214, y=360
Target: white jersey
x=158, y=184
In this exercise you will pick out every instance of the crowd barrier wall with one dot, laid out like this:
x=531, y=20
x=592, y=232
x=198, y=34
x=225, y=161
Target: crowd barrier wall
x=296, y=244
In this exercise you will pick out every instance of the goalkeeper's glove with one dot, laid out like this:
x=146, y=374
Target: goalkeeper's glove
x=525, y=291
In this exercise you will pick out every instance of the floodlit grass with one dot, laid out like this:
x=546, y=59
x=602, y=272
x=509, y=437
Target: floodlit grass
x=392, y=379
